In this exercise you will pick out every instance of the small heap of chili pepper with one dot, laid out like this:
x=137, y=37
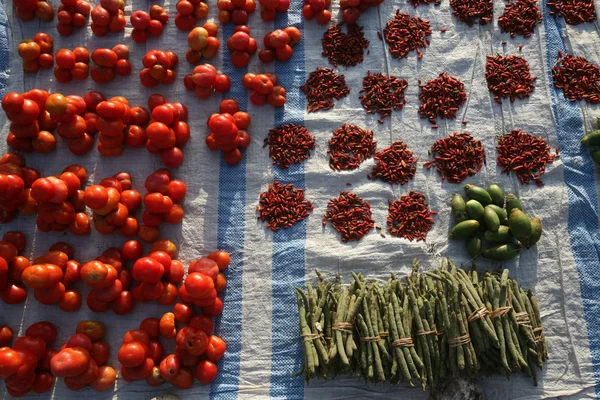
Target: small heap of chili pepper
x=409, y=217
x=509, y=76
x=382, y=94
x=289, y=144
x=457, y=156
x=349, y=147
x=574, y=12
x=350, y=216
x=282, y=206
x=525, y=155
x=344, y=48
x=395, y=164
x=520, y=18
x=322, y=86
x=468, y=11
x=577, y=77
x=441, y=97
x=416, y=3
x=404, y=33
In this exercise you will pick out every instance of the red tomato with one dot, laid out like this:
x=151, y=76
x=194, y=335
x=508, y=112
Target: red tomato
x=184, y=379
x=80, y=381
x=100, y=352
x=132, y=250
x=167, y=325
x=132, y=354
x=214, y=309
x=216, y=348
x=71, y=301
x=154, y=379
x=205, y=266
x=192, y=340
x=221, y=257
x=10, y=362
x=105, y=380
x=98, y=275
x=95, y=305
x=142, y=371
x=206, y=371
x=169, y=294
x=220, y=282
x=175, y=272
x=169, y=367
x=156, y=351
x=183, y=313
x=14, y=294
x=198, y=285
x=42, y=383
x=147, y=269
x=5, y=336
x=80, y=340
x=124, y=303
x=42, y=276
x=95, y=330
x=44, y=330
x=151, y=326
x=70, y=361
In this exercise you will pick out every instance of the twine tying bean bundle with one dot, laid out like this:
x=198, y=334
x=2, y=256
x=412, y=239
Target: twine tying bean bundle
x=437, y=325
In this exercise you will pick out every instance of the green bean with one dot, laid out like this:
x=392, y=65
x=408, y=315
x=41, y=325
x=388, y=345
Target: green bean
x=397, y=350
x=414, y=362
x=364, y=332
x=341, y=312
x=310, y=366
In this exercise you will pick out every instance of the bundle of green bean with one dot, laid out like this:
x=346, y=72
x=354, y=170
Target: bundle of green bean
x=486, y=216
x=436, y=325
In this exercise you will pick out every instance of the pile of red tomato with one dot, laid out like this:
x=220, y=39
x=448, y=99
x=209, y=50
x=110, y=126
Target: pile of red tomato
x=242, y=46
x=278, y=44
x=26, y=10
x=15, y=187
x=72, y=14
x=317, y=9
x=203, y=43
x=352, y=9
x=37, y=52
x=168, y=131
x=235, y=11
x=108, y=16
x=270, y=8
x=228, y=131
x=188, y=12
x=263, y=89
x=109, y=63
x=11, y=267
x=72, y=64
x=159, y=67
x=145, y=25
x=205, y=80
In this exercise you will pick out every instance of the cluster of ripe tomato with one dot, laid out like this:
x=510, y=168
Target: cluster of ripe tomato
x=203, y=43
x=270, y=8
x=26, y=10
x=317, y=9
x=168, y=131
x=278, y=44
x=72, y=14
x=235, y=11
x=263, y=89
x=205, y=80
x=148, y=24
x=228, y=131
x=352, y=9
x=72, y=64
x=108, y=16
x=159, y=67
x=242, y=46
x=37, y=52
x=11, y=267
x=188, y=12
x=109, y=63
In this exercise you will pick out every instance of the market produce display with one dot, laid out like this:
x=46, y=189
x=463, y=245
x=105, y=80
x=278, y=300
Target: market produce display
x=436, y=326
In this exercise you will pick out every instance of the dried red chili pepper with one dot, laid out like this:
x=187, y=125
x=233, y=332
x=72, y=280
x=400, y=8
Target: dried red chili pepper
x=409, y=217
x=282, y=206
x=404, y=33
x=349, y=147
x=457, y=157
x=577, y=77
x=520, y=17
x=344, y=48
x=322, y=86
x=525, y=155
x=349, y=215
x=416, y=3
x=395, y=164
x=468, y=11
x=382, y=94
x=574, y=12
x=289, y=144
x=441, y=97
x=509, y=76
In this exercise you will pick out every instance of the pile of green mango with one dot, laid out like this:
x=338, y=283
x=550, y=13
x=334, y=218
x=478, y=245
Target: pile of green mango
x=592, y=142
x=487, y=217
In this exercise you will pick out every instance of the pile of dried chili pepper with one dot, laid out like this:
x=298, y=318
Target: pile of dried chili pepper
x=441, y=97
x=525, y=155
x=322, y=86
x=509, y=76
x=574, y=12
x=468, y=11
x=404, y=33
x=416, y=3
x=520, y=18
x=410, y=217
x=289, y=144
x=349, y=147
x=457, y=157
x=382, y=94
x=344, y=48
x=395, y=164
x=577, y=77
x=349, y=215
x=282, y=206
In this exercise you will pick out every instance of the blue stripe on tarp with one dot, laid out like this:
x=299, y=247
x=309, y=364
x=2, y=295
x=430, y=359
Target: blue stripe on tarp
x=288, y=244
x=583, y=200
x=230, y=237
x=4, y=52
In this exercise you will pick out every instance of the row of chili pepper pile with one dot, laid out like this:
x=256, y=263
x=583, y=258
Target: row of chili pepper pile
x=433, y=327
